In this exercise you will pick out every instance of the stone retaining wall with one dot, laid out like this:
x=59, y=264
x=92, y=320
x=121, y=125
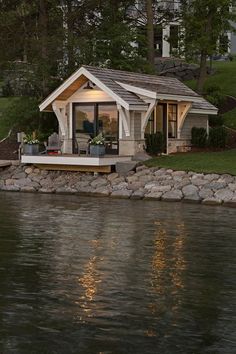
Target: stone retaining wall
x=143, y=183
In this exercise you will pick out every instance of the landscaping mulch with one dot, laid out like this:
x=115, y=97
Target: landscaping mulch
x=9, y=150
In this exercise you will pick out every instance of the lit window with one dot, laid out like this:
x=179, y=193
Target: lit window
x=172, y=120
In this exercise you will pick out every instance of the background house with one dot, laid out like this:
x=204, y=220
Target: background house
x=168, y=29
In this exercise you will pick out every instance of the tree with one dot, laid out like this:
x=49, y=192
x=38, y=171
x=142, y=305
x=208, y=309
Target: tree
x=150, y=33
x=204, y=22
x=114, y=36
x=151, y=17
x=37, y=40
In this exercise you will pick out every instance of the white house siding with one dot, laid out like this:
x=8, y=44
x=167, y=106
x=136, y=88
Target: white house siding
x=95, y=95
x=233, y=43
x=130, y=145
x=135, y=128
x=193, y=120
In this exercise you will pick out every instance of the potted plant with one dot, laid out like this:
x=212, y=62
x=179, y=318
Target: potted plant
x=31, y=145
x=97, y=145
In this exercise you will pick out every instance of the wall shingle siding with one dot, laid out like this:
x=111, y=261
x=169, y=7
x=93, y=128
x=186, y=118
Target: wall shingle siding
x=193, y=120
x=137, y=126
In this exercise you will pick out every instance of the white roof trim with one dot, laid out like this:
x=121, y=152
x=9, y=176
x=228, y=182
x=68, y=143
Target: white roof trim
x=142, y=108
x=82, y=71
x=178, y=98
x=161, y=96
x=138, y=90
x=204, y=111
x=60, y=89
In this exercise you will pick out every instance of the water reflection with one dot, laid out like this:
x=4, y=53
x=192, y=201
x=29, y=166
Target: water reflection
x=96, y=275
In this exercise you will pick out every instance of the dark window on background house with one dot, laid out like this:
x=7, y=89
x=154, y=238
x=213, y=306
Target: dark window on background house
x=172, y=120
x=223, y=44
x=174, y=39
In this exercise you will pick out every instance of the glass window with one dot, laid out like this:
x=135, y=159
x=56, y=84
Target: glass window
x=84, y=120
x=95, y=118
x=160, y=118
x=150, y=125
x=172, y=120
x=108, y=125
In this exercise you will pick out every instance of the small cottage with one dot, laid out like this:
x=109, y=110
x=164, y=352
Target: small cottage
x=124, y=107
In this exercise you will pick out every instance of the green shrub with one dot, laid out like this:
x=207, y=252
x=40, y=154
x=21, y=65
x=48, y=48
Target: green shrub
x=199, y=137
x=214, y=95
x=7, y=90
x=218, y=137
x=22, y=114
x=155, y=143
x=232, y=57
x=216, y=121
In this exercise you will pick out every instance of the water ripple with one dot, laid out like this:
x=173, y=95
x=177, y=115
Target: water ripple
x=91, y=275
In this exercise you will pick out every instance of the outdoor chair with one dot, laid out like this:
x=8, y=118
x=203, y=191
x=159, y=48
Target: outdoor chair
x=54, y=144
x=82, y=141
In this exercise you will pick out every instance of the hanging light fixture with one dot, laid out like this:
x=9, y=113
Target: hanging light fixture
x=88, y=86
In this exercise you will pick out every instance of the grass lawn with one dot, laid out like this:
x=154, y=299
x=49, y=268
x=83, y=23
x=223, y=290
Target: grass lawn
x=230, y=119
x=208, y=162
x=4, y=102
x=225, y=77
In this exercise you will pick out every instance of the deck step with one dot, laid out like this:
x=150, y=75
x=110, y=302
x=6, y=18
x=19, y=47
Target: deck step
x=4, y=163
x=124, y=167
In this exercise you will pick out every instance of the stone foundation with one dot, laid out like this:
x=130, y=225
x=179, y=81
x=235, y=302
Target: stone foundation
x=142, y=183
x=178, y=145
x=131, y=147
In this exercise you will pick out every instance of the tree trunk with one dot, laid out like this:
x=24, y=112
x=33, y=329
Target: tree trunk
x=203, y=60
x=70, y=37
x=43, y=23
x=150, y=34
x=203, y=72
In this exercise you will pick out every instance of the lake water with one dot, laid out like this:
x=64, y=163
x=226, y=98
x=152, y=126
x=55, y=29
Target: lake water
x=92, y=275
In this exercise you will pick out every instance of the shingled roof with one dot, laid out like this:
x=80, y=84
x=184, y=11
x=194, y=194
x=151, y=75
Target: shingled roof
x=204, y=105
x=123, y=87
x=158, y=84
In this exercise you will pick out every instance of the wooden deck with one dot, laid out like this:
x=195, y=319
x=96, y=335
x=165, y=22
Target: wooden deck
x=74, y=162
x=5, y=163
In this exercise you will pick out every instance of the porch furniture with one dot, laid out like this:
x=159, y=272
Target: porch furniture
x=82, y=141
x=54, y=145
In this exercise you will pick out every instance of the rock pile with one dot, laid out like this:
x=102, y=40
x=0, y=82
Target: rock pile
x=143, y=183
x=178, y=68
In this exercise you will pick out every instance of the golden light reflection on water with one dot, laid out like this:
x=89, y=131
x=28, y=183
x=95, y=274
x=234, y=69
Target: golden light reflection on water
x=150, y=333
x=159, y=261
x=168, y=265
x=178, y=257
x=89, y=280
x=168, y=256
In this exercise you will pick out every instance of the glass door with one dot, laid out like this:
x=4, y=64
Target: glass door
x=108, y=125
x=91, y=119
x=84, y=124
